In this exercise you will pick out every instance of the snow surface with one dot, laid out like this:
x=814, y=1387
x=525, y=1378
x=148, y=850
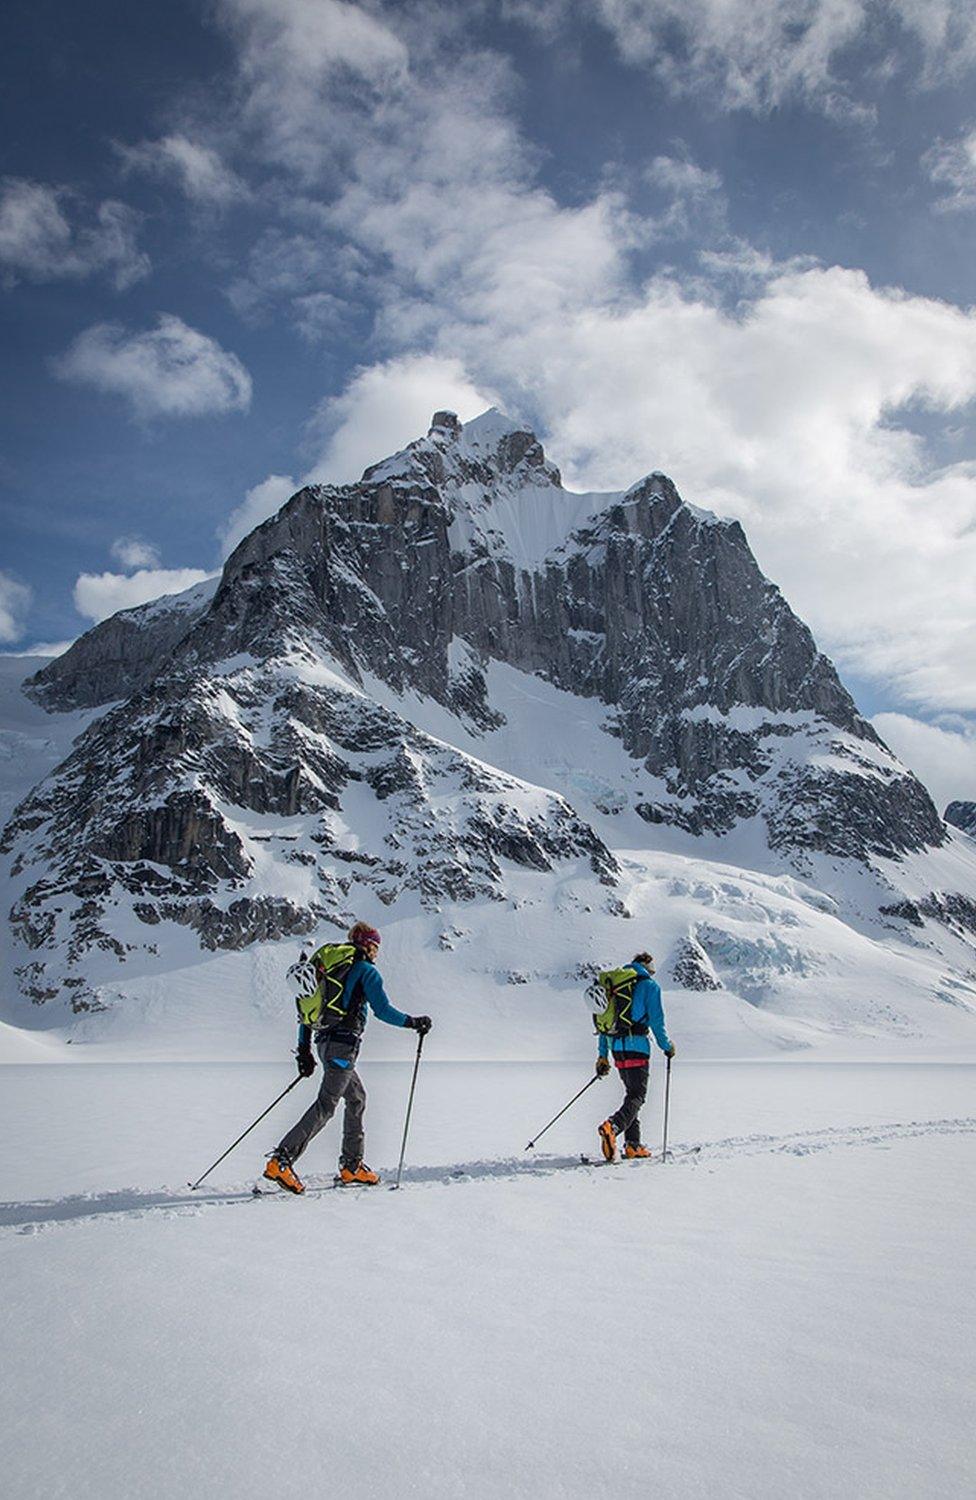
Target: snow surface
x=784, y=1314
x=184, y=601
x=32, y=741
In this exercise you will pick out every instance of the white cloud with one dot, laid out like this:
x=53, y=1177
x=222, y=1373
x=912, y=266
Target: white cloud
x=42, y=648
x=40, y=242
x=384, y=408
x=781, y=394
x=98, y=595
x=785, y=414
x=131, y=552
x=260, y=502
x=759, y=54
x=197, y=169
x=943, y=757
x=15, y=601
x=322, y=51
x=952, y=165
x=295, y=268
x=171, y=371
x=697, y=200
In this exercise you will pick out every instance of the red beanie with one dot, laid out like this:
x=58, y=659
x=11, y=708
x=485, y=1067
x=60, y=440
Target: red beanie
x=364, y=936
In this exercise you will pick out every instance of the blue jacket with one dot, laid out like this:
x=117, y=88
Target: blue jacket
x=368, y=975
x=645, y=1010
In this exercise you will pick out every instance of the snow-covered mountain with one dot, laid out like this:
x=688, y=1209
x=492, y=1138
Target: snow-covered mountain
x=526, y=728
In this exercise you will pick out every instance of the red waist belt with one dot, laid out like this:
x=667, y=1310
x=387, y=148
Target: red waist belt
x=633, y=1062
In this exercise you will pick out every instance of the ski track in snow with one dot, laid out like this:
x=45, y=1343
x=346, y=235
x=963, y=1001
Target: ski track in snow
x=28, y=1218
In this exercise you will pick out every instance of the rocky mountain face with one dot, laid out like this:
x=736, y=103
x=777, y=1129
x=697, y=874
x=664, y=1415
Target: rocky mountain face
x=117, y=657
x=262, y=771
x=962, y=815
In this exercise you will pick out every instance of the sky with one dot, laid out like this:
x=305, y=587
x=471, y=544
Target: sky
x=249, y=243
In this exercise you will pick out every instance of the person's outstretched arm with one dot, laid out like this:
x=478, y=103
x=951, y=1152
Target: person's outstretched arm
x=378, y=1000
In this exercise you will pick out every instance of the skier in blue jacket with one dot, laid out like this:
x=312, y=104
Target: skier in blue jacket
x=338, y=1048
x=631, y=1051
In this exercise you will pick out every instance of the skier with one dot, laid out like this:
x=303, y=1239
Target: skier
x=631, y=1050
x=338, y=1048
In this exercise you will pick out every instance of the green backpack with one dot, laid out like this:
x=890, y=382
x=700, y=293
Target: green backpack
x=322, y=979
x=611, y=995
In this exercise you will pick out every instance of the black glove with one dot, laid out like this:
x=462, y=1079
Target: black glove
x=306, y=1062
x=419, y=1023
x=669, y=1051
x=602, y=1067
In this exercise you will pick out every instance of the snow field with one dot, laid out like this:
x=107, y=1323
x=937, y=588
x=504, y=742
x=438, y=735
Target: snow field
x=785, y=1314
x=112, y=1128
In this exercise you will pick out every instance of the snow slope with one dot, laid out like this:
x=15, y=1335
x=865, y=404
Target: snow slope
x=32, y=742
x=782, y=1314
x=791, y=964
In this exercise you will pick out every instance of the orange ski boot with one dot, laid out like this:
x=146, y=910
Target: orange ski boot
x=636, y=1151
x=361, y=1174
x=608, y=1141
x=283, y=1173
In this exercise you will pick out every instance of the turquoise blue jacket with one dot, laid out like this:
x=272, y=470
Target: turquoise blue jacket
x=646, y=1010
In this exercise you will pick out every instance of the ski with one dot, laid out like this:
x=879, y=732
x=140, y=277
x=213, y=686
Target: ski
x=277, y=1192
x=623, y=1161
x=337, y=1184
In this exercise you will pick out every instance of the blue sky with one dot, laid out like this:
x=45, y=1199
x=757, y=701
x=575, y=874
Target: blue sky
x=248, y=242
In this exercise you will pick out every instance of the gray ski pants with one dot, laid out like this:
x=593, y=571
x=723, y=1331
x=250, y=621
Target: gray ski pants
x=338, y=1083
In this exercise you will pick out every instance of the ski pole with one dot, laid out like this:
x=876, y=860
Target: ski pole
x=243, y=1133
x=667, y=1106
x=542, y=1132
x=406, y=1123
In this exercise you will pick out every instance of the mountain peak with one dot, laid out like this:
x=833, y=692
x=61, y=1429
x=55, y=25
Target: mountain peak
x=489, y=447
x=444, y=423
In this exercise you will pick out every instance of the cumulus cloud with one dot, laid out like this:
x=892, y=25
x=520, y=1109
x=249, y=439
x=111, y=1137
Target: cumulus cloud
x=952, y=165
x=46, y=234
x=943, y=756
x=98, y=595
x=171, y=371
x=783, y=394
x=260, y=502
x=385, y=407
x=15, y=601
x=197, y=169
x=131, y=552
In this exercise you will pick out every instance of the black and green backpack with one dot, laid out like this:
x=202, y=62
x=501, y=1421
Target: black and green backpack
x=322, y=980
x=611, y=995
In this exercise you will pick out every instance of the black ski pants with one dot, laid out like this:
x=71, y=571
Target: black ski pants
x=627, y=1117
x=340, y=1081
